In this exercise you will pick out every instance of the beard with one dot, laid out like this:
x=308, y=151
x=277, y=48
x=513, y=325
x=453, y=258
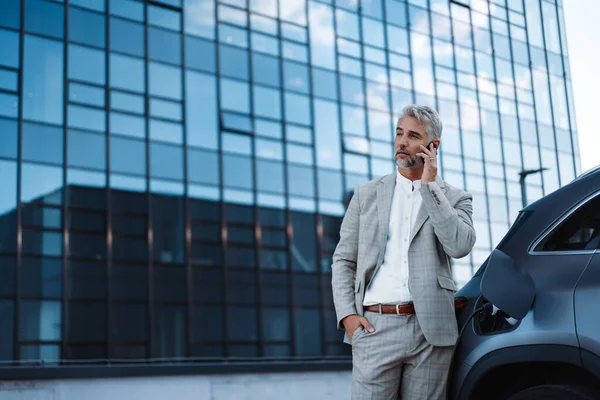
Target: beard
x=406, y=161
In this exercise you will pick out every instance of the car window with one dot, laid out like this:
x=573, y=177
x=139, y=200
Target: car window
x=580, y=231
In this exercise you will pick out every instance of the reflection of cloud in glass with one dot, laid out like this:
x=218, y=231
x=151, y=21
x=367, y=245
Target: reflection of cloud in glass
x=321, y=24
x=293, y=11
x=232, y=15
x=479, y=19
x=199, y=13
x=469, y=117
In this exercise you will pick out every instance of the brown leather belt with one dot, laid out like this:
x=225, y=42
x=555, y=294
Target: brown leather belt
x=409, y=308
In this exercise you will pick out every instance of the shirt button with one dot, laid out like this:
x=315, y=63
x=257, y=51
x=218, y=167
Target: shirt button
x=404, y=285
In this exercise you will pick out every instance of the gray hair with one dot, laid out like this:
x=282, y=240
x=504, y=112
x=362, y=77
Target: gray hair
x=427, y=116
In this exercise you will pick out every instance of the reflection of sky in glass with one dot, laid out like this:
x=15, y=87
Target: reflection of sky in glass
x=38, y=181
x=43, y=80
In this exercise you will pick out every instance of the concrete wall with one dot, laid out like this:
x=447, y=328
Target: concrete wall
x=288, y=386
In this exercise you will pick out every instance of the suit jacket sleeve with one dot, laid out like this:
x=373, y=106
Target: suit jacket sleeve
x=343, y=269
x=452, y=225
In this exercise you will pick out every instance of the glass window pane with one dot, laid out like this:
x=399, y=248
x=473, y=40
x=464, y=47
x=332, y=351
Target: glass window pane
x=234, y=143
x=372, y=32
x=127, y=156
x=234, y=36
x=11, y=16
x=165, y=81
x=42, y=277
x=166, y=161
x=322, y=36
x=265, y=44
x=131, y=9
x=233, y=62
x=324, y=83
x=127, y=73
x=8, y=197
x=41, y=184
x=232, y=15
x=127, y=102
x=265, y=69
x=269, y=176
x=200, y=54
x=395, y=12
x=44, y=17
x=166, y=131
x=165, y=109
x=297, y=109
x=86, y=27
x=295, y=14
x=8, y=138
x=267, y=7
x=268, y=149
x=267, y=102
x=87, y=150
x=327, y=133
x=90, y=95
x=86, y=118
x=201, y=110
x=199, y=18
x=86, y=64
x=303, y=178
x=127, y=125
x=397, y=39
x=295, y=77
x=9, y=52
x=295, y=52
x=40, y=320
x=263, y=24
x=164, y=46
x=235, y=95
x=203, y=166
x=164, y=18
x=330, y=185
x=577, y=232
x=43, y=80
x=9, y=105
x=347, y=24
x=127, y=37
x=42, y=143
x=237, y=171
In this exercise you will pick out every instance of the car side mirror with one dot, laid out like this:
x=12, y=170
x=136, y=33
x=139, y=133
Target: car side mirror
x=507, y=286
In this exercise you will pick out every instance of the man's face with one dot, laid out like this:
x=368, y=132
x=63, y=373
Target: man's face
x=410, y=135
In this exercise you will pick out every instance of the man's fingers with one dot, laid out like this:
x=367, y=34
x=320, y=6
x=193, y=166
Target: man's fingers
x=426, y=150
x=424, y=156
x=367, y=325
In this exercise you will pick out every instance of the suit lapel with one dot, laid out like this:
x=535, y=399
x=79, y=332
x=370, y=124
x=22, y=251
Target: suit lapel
x=385, y=194
x=422, y=215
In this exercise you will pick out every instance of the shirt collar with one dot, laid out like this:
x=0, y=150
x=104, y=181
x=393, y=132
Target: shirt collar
x=407, y=184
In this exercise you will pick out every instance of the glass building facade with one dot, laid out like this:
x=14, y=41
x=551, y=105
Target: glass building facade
x=174, y=172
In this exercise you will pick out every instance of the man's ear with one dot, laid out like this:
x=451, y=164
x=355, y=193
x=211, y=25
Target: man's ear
x=436, y=143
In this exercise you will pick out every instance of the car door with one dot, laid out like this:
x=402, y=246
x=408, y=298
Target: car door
x=587, y=295
x=559, y=259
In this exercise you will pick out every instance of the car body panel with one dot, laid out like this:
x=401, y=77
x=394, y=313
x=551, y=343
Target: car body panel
x=551, y=323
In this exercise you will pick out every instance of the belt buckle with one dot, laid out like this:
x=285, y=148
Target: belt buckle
x=398, y=309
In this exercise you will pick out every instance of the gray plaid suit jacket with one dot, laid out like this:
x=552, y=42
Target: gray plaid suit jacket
x=443, y=229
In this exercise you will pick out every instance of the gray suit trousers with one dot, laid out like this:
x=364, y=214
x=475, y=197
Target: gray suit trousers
x=396, y=361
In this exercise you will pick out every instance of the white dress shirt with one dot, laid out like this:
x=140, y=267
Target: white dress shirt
x=390, y=284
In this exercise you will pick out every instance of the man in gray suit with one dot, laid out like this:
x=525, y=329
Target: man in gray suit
x=392, y=280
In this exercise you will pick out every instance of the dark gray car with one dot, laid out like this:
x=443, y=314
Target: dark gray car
x=536, y=331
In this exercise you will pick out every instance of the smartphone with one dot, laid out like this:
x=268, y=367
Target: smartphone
x=428, y=144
